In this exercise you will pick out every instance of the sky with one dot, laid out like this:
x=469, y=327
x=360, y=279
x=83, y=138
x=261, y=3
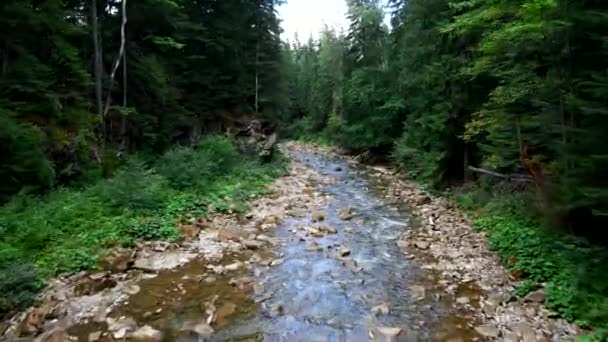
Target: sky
x=307, y=17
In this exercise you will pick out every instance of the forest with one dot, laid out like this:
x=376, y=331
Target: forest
x=110, y=112
x=500, y=105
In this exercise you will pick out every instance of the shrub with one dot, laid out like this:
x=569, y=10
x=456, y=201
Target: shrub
x=197, y=167
x=133, y=187
x=19, y=285
x=574, y=272
x=23, y=165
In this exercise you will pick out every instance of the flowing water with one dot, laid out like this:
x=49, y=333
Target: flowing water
x=325, y=293
x=323, y=297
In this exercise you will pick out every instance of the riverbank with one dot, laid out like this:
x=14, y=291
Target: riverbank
x=336, y=250
x=70, y=230
x=448, y=243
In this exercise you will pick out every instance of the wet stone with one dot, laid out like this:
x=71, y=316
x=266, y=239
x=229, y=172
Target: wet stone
x=422, y=244
x=147, y=334
x=488, y=330
x=381, y=309
x=537, y=296
x=318, y=217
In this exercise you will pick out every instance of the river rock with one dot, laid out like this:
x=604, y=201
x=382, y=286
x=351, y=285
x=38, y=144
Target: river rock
x=224, y=311
x=147, y=334
x=509, y=336
x=200, y=329
x=252, y=244
x=423, y=200
x=388, y=334
x=93, y=284
x=537, y=296
x=318, y=217
x=234, y=266
x=154, y=262
x=488, y=330
x=381, y=309
x=418, y=292
x=344, y=252
x=118, y=260
x=276, y=262
x=314, y=248
x=524, y=332
x=266, y=238
x=346, y=214
x=228, y=235
x=422, y=244
x=463, y=300
x=277, y=310
x=94, y=336
x=121, y=327
x=32, y=323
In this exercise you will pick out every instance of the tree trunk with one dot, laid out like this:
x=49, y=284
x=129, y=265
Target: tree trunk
x=123, y=124
x=257, y=86
x=98, y=67
x=121, y=51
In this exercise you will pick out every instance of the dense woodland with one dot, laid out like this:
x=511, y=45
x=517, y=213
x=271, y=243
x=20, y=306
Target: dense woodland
x=502, y=101
x=455, y=88
x=507, y=95
x=75, y=92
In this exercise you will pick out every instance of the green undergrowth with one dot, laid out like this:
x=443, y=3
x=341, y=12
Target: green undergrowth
x=68, y=230
x=317, y=139
x=573, y=272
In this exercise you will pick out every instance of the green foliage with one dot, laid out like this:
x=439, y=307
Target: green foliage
x=23, y=165
x=573, y=272
x=134, y=187
x=195, y=167
x=68, y=230
x=19, y=286
x=191, y=66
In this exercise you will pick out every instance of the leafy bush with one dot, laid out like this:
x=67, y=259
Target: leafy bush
x=23, y=163
x=197, y=167
x=133, y=187
x=574, y=272
x=69, y=229
x=19, y=285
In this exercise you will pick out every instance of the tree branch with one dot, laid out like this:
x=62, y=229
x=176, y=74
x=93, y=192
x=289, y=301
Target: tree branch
x=515, y=177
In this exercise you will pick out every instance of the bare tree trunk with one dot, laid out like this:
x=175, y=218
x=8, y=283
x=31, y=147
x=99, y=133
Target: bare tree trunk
x=123, y=124
x=5, y=60
x=98, y=68
x=257, y=86
x=121, y=51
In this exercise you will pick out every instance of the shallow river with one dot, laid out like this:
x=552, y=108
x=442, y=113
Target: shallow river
x=345, y=286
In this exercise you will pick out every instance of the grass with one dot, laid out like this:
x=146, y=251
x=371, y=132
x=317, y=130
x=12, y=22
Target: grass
x=573, y=271
x=70, y=230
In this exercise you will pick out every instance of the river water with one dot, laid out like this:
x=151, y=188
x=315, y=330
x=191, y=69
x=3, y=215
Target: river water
x=344, y=286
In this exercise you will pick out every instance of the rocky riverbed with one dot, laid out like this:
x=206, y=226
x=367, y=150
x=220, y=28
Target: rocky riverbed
x=338, y=252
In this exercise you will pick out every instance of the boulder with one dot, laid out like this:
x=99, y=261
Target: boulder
x=147, y=334
x=346, y=214
x=318, y=216
x=118, y=260
x=93, y=284
x=422, y=244
x=488, y=331
x=228, y=235
x=537, y=296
